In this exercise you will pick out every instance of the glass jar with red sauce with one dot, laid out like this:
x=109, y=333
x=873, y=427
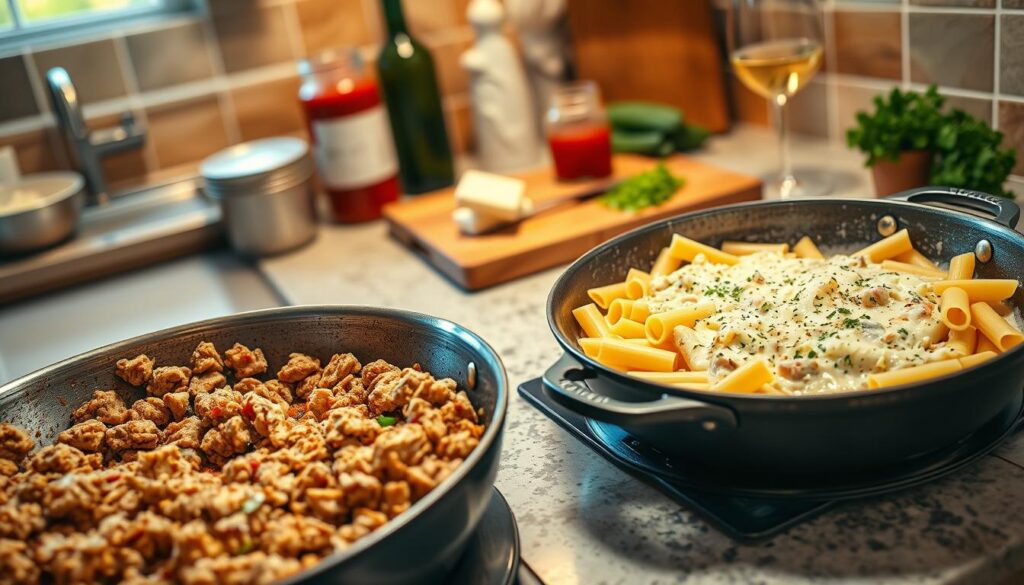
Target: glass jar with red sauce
x=348, y=126
x=578, y=132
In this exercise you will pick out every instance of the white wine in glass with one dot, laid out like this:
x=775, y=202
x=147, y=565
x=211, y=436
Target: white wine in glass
x=776, y=49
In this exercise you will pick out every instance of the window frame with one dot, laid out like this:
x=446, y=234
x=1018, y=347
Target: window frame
x=22, y=33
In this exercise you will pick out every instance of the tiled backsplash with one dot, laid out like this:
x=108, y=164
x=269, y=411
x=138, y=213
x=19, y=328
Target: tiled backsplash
x=972, y=49
x=202, y=82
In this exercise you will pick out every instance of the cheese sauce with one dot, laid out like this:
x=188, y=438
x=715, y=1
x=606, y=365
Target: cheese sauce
x=822, y=325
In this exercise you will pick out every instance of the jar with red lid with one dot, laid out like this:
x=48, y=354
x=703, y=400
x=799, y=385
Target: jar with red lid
x=348, y=126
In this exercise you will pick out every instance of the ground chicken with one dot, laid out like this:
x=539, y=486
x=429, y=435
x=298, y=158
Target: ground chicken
x=151, y=409
x=340, y=366
x=16, y=564
x=14, y=443
x=86, y=436
x=227, y=439
x=299, y=367
x=281, y=390
x=206, y=359
x=177, y=403
x=168, y=379
x=186, y=433
x=61, y=459
x=136, y=371
x=106, y=406
x=135, y=434
x=206, y=383
x=244, y=361
x=218, y=406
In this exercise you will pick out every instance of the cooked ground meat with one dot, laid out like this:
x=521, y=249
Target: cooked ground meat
x=244, y=361
x=204, y=483
x=135, y=371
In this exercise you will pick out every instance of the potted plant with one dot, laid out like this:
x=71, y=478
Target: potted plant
x=968, y=154
x=899, y=138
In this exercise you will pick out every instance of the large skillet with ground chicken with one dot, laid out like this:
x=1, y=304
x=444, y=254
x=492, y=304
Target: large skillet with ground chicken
x=313, y=444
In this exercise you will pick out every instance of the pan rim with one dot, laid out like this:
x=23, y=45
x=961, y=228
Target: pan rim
x=492, y=433
x=745, y=399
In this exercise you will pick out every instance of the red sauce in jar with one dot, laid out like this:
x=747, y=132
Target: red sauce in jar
x=581, y=151
x=351, y=144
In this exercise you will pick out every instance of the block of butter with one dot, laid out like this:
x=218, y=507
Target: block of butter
x=492, y=196
x=471, y=222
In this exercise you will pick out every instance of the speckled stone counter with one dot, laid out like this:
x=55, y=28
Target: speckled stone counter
x=584, y=521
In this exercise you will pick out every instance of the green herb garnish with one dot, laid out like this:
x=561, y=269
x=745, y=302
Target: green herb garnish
x=386, y=421
x=644, y=190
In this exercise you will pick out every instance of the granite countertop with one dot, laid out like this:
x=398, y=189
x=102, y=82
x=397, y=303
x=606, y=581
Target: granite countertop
x=582, y=520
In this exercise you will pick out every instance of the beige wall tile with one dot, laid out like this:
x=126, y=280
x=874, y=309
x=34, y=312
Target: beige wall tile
x=124, y=167
x=853, y=99
x=268, y=109
x=38, y=150
x=186, y=131
x=334, y=23
x=459, y=119
x=1011, y=123
x=954, y=50
x=808, y=110
x=1013, y=4
x=1011, y=54
x=868, y=43
x=451, y=77
x=93, y=67
x=250, y=35
x=980, y=109
x=18, y=100
x=169, y=56
x=424, y=18
x=951, y=3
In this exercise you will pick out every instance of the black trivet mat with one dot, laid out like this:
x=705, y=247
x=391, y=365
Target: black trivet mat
x=741, y=516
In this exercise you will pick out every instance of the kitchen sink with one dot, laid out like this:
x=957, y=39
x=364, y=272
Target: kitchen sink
x=135, y=229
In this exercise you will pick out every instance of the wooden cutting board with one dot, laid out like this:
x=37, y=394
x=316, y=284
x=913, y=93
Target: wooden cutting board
x=556, y=236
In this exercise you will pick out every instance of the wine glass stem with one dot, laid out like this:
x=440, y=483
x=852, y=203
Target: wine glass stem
x=786, y=178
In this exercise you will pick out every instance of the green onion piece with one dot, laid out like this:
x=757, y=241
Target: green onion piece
x=254, y=503
x=386, y=421
x=643, y=190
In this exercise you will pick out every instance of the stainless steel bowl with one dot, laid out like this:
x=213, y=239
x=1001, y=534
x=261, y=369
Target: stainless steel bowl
x=50, y=217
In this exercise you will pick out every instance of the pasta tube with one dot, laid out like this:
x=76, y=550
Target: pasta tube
x=604, y=295
x=746, y=248
x=672, y=377
x=637, y=284
x=659, y=327
x=590, y=346
x=628, y=328
x=666, y=263
x=914, y=374
x=640, y=311
x=969, y=361
x=955, y=308
x=591, y=321
x=962, y=267
x=921, y=271
x=986, y=289
x=885, y=249
x=619, y=309
x=963, y=342
x=994, y=327
x=636, y=357
x=747, y=378
x=805, y=248
x=916, y=258
x=985, y=344
x=687, y=249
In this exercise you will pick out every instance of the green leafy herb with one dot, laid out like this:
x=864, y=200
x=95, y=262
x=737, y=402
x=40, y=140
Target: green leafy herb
x=812, y=354
x=849, y=323
x=901, y=121
x=968, y=155
x=386, y=421
x=644, y=190
x=843, y=311
x=904, y=332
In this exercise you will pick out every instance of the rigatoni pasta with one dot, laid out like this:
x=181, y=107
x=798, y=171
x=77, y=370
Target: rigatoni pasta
x=757, y=318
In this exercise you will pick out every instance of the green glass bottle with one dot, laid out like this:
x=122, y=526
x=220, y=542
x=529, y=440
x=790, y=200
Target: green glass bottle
x=409, y=84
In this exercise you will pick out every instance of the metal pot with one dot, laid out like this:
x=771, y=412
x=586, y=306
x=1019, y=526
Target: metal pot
x=48, y=221
x=809, y=434
x=422, y=544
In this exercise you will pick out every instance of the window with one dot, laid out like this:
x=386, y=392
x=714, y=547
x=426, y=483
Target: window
x=21, y=19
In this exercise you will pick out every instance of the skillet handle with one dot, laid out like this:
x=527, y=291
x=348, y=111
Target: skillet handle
x=1003, y=211
x=567, y=379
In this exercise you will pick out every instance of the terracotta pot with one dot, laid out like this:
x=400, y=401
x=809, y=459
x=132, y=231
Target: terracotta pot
x=910, y=170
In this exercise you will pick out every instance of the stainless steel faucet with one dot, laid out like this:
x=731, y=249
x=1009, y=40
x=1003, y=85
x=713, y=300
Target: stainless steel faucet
x=90, y=146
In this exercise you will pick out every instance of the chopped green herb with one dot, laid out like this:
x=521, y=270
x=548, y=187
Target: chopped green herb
x=849, y=323
x=253, y=503
x=386, y=421
x=643, y=190
x=843, y=311
x=904, y=332
x=812, y=354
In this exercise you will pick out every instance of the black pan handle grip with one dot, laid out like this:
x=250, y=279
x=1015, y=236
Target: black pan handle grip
x=1003, y=211
x=567, y=380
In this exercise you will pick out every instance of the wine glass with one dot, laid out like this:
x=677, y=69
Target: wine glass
x=775, y=48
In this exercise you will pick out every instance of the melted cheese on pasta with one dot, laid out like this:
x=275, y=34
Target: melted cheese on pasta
x=823, y=325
